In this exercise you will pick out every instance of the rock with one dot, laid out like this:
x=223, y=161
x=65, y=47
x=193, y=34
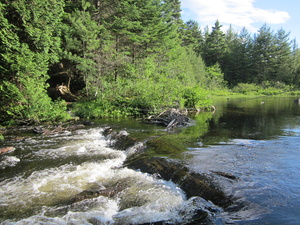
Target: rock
x=40, y=130
x=226, y=175
x=88, y=123
x=110, y=191
x=119, y=140
x=58, y=129
x=196, y=210
x=193, y=184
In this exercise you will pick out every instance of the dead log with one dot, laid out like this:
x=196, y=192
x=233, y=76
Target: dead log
x=6, y=150
x=66, y=94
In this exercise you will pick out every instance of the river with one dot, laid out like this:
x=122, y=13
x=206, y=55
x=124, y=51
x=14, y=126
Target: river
x=256, y=140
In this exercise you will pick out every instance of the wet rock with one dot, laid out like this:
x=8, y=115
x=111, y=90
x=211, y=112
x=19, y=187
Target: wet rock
x=57, y=129
x=193, y=184
x=226, y=175
x=45, y=131
x=198, y=211
x=40, y=130
x=110, y=191
x=88, y=123
x=119, y=140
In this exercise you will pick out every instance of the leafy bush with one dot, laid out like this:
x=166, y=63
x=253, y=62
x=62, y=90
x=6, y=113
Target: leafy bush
x=265, y=88
x=195, y=97
x=99, y=109
x=215, y=77
x=245, y=88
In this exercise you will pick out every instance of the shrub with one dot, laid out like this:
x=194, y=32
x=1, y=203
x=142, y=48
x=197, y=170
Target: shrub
x=195, y=97
x=245, y=88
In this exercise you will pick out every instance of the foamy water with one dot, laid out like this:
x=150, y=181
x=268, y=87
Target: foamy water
x=43, y=196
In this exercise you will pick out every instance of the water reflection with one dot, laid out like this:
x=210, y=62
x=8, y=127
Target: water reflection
x=257, y=141
x=260, y=119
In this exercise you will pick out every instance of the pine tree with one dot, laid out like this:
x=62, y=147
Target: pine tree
x=237, y=66
x=215, y=46
x=282, y=69
x=263, y=55
x=30, y=41
x=80, y=44
x=191, y=36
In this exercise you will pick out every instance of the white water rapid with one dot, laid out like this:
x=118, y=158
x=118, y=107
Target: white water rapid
x=64, y=165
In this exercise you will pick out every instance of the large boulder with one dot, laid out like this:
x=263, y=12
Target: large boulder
x=193, y=184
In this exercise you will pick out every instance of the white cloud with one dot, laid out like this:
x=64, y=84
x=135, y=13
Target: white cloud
x=241, y=13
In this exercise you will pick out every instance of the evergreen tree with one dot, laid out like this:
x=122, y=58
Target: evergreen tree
x=192, y=36
x=263, y=55
x=237, y=66
x=215, y=46
x=80, y=44
x=295, y=67
x=282, y=69
x=29, y=42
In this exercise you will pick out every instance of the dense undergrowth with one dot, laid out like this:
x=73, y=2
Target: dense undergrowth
x=129, y=59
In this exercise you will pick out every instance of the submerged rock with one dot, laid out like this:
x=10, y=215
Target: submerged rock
x=119, y=140
x=109, y=191
x=193, y=184
x=226, y=175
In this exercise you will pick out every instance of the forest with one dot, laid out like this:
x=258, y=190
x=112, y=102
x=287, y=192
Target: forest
x=119, y=58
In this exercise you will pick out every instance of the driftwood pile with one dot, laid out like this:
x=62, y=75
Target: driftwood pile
x=170, y=118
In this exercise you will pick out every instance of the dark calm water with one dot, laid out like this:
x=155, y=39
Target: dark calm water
x=257, y=140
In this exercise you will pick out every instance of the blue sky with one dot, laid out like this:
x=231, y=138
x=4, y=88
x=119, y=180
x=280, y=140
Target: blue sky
x=251, y=14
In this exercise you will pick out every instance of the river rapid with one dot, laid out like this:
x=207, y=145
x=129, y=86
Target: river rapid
x=256, y=140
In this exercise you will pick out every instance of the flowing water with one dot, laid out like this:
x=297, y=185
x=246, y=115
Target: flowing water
x=255, y=140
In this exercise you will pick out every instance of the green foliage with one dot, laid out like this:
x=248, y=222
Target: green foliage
x=265, y=88
x=25, y=55
x=215, y=46
x=102, y=108
x=245, y=88
x=129, y=57
x=215, y=77
x=195, y=97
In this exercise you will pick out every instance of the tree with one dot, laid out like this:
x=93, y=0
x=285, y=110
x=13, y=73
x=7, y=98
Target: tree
x=238, y=63
x=192, y=36
x=282, y=70
x=29, y=42
x=215, y=46
x=80, y=44
x=264, y=55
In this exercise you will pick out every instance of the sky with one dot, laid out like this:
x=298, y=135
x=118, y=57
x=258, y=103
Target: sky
x=252, y=14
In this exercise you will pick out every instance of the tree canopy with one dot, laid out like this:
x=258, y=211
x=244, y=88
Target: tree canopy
x=121, y=57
